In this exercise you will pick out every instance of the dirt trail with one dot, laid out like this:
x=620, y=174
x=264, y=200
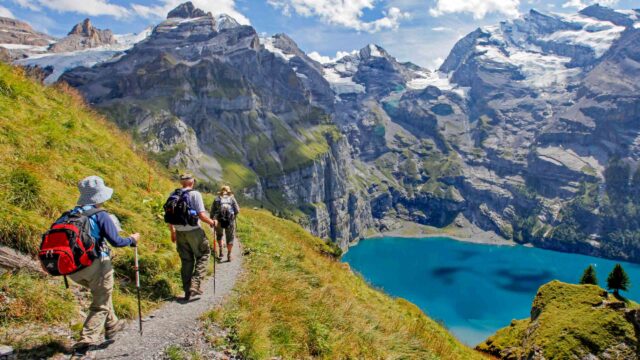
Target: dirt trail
x=174, y=322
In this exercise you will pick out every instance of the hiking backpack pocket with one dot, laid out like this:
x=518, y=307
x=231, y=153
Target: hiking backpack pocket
x=68, y=246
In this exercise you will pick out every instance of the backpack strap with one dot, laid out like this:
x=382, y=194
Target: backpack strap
x=91, y=212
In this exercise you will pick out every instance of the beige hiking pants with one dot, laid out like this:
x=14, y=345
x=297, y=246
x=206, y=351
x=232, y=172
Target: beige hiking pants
x=98, y=278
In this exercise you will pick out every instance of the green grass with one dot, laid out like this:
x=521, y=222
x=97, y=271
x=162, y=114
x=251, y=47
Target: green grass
x=296, y=303
x=49, y=140
x=294, y=300
x=573, y=322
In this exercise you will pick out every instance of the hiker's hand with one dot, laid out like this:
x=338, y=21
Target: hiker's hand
x=215, y=223
x=173, y=237
x=135, y=238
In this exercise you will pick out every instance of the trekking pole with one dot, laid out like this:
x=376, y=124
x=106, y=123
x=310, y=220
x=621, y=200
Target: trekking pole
x=214, y=264
x=138, y=289
x=66, y=282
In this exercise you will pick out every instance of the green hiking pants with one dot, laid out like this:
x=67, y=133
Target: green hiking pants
x=98, y=278
x=194, y=251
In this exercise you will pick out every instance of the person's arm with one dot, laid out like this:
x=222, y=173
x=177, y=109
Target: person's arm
x=109, y=231
x=173, y=233
x=236, y=207
x=199, y=208
x=203, y=216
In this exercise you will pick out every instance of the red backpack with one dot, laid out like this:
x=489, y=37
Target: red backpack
x=68, y=246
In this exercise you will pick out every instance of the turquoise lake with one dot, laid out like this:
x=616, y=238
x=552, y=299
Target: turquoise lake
x=473, y=289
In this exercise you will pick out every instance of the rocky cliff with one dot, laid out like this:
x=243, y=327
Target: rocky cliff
x=514, y=134
x=18, y=39
x=211, y=95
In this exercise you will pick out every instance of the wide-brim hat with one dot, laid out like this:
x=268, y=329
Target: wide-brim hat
x=93, y=191
x=226, y=189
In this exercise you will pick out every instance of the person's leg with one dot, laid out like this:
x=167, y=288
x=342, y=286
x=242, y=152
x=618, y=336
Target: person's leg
x=187, y=260
x=200, y=246
x=99, y=279
x=219, y=234
x=230, y=235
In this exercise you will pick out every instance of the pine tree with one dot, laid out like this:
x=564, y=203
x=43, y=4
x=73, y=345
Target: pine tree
x=618, y=280
x=589, y=276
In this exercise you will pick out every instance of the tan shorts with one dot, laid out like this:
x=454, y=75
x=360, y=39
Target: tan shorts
x=229, y=233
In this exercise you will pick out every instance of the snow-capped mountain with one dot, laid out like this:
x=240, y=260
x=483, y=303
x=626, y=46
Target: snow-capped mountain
x=519, y=120
x=85, y=45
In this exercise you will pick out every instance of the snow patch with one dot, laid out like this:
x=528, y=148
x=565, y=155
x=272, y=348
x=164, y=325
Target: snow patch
x=340, y=84
x=428, y=78
x=595, y=34
x=128, y=40
x=373, y=50
x=269, y=45
x=61, y=62
x=24, y=47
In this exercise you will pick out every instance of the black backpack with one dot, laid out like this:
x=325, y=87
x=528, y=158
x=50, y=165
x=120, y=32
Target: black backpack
x=227, y=213
x=178, y=209
x=68, y=246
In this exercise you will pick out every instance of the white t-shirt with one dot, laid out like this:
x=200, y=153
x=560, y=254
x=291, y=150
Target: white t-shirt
x=197, y=204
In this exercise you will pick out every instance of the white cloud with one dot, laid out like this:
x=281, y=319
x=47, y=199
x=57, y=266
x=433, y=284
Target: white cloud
x=579, y=4
x=441, y=29
x=326, y=59
x=85, y=7
x=479, y=8
x=4, y=12
x=216, y=7
x=435, y=63
x=347, y=13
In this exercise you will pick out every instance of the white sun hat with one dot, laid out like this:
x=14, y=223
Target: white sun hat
x=93, y=191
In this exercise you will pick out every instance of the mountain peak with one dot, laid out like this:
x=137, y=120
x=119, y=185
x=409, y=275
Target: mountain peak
x=604, y=13
x=224, y=21
x=186, y=11
x=84, y=28
x=83, y=36
x=373, y=50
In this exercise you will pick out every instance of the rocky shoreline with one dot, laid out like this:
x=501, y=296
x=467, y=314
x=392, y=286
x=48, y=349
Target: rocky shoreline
x=467, y=232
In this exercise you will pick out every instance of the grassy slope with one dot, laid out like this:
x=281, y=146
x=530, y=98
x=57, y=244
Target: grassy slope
x=292, y=300
x=573, y=322
x=48, y=141
x=297, y=301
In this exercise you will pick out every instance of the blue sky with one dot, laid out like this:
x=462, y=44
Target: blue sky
x=421, y=31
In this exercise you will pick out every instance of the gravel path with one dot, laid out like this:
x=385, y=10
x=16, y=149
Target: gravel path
x=174, y=322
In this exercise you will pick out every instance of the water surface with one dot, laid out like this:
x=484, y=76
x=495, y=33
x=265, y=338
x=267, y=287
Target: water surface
x=474, y=289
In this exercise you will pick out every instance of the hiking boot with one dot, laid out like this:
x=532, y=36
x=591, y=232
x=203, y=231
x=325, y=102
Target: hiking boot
x=195, y=292
x=187, y=296
x=81, y=351
x=111, y=332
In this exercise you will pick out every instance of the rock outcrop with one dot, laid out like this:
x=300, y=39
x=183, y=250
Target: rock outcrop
x=18, y=39
x=83, y=36
x=570, y=322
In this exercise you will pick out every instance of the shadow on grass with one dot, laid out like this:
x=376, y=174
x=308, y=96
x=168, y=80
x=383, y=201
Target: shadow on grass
x=45, y=350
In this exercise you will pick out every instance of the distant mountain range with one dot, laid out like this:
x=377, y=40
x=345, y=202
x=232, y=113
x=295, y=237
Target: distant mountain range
x=530, y=129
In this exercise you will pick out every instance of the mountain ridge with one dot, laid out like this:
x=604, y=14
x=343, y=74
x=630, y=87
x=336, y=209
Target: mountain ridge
x=506, y=136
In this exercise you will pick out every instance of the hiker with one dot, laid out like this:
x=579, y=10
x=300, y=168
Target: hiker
x=98, y=277
x=183, y=211
x=224, y=210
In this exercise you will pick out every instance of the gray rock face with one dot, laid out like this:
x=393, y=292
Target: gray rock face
x=83, y=36
x=236, y=108
x=186, y=11
x=506, y=134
